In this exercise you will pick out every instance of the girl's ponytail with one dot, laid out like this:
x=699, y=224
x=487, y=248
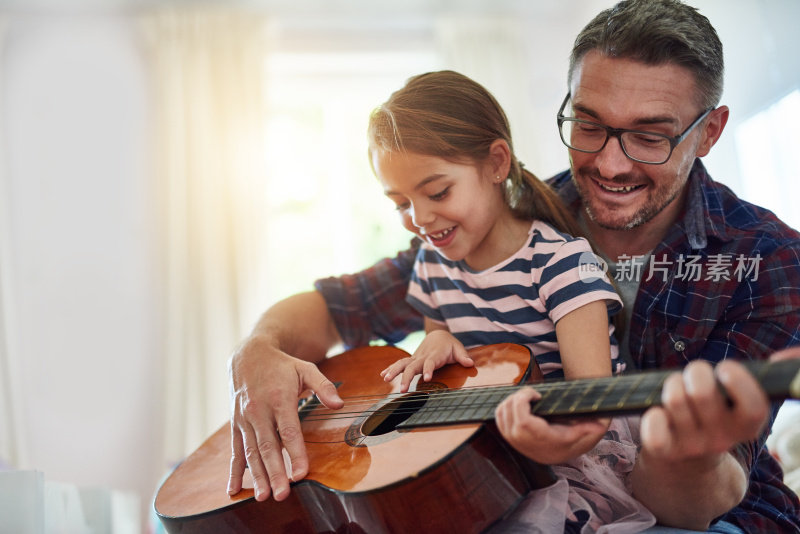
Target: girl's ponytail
x=530, y=198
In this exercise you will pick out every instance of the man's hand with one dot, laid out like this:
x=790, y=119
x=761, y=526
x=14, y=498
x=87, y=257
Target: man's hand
x=265, y=386
x=685, y=473
x=697, y=420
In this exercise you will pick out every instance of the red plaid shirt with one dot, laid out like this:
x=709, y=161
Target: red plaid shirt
x=724, y=283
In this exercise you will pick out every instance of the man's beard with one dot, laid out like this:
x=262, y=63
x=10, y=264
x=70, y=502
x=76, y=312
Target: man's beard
x=655, y=203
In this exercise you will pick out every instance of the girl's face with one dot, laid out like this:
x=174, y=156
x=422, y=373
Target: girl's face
x=456, y=207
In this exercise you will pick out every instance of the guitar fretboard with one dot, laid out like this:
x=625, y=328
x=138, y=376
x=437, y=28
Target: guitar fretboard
x=609, y=396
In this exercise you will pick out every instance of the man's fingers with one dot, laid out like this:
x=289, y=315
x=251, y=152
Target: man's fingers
x=289, y=429
x=750, y=403
x=705, y=410
x=676, y=403
x=291, y=439
x=786, y=354
x=325, y=390
x=238, y=462
x=258, y=471
x=655, y=431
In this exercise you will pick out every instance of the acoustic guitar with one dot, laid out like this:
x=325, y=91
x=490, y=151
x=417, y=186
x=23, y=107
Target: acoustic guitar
x=430, y=460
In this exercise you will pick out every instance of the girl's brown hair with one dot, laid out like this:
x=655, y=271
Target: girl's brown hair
x=448, y=115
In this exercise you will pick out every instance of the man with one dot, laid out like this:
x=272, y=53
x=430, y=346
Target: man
x=719, y=281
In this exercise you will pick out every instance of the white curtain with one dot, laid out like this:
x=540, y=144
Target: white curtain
x=12, y=448
x=208, y=66
x=495, y=53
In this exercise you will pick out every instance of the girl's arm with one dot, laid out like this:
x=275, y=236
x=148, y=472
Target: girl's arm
x=583, y=342
x=438, y=348
x=585, y=353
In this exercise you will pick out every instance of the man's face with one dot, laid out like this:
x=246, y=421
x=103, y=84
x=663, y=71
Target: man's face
x=617, y=192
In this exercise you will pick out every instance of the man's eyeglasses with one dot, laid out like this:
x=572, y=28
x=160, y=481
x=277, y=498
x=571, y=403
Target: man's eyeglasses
x=644, y=147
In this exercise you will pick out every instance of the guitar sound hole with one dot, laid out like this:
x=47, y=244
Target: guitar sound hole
x=386, y=419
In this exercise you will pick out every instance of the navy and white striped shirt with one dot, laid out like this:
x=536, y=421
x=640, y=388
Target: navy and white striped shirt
x=518, y=300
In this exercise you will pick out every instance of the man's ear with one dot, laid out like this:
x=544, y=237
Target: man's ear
x=714, y=124
x=499, y=160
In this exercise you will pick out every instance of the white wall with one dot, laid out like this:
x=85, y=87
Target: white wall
x=86, y=299
x=761, y=42
x=74, y=116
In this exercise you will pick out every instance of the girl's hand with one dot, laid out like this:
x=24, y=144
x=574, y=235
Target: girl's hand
x=438, y=348
x=543, y=442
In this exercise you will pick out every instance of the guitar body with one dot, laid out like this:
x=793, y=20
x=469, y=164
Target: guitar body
x=365, y=475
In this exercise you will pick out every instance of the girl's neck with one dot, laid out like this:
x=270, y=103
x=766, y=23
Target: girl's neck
x=508, y=235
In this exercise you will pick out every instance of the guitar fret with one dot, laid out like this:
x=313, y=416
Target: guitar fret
x=424, y=414
x=655, y=396
x=600, y=396
x=553, y=409
x=451, y=408
x=472, y=406
x=491, y=397
x=574, y=392
x=631, y=389
x=617, y=390
x=546, y=392
x=603, y=396
x=582, y=397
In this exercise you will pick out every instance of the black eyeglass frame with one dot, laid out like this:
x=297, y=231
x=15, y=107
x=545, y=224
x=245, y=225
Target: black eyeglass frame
x=617, y=132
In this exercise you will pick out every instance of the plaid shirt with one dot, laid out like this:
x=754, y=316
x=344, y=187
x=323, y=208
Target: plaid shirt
x=724, y=283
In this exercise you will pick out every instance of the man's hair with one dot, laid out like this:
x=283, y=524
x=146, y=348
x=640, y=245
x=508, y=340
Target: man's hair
x=657, y=32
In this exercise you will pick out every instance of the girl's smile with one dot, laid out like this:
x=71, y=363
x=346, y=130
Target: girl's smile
x=440, y=239
x=457, y=207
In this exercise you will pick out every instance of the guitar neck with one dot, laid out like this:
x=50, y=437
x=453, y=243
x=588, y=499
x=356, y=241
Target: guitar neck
x=611, y=396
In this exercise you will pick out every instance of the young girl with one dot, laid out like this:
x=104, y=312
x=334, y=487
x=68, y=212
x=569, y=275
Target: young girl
x=498, y=264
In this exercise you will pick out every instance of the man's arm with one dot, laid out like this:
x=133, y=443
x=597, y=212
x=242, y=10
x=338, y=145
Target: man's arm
x=276, y=363
x=699, y=451
x=267, y=373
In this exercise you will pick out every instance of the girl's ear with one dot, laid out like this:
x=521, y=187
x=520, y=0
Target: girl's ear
x=499, y=160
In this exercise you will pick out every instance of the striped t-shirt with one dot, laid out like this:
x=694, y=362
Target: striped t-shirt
x=518, y=300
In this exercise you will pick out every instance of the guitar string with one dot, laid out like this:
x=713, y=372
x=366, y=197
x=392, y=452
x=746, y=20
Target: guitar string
x=453, y=395
x=648, y=378
x=652, y=380
x=543, y=388
x=612, y=385
x=477, y=417
x=321, y=412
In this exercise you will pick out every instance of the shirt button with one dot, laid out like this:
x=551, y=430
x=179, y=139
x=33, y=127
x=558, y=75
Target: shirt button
x=680, y=346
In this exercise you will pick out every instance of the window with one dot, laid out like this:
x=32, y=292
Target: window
x=766, y=144
x=327, y=213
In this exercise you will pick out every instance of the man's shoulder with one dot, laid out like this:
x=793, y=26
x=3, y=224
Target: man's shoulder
x=558, y=181
x=743, y=219
x=564, y=187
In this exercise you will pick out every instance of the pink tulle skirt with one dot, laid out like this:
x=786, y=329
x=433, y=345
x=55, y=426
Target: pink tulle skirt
x=592, y=493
